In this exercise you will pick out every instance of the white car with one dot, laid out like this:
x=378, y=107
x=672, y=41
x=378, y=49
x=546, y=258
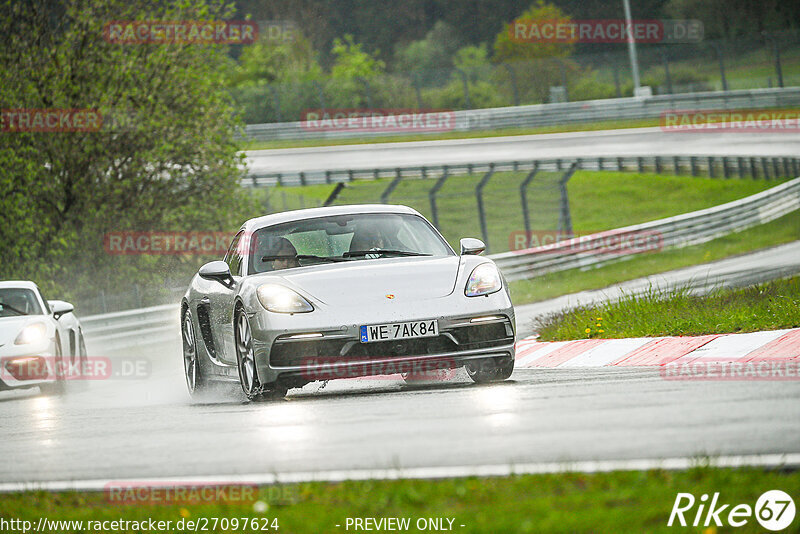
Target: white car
x=41, y=342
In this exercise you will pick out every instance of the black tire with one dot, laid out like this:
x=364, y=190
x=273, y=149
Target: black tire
x=490, y=369
x=58, y=387
x=252, y=387
x=196, y=383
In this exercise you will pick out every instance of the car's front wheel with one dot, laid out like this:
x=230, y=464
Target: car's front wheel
x=195, y=381
x=58, y=386
x=246, y=358
x=490, y=369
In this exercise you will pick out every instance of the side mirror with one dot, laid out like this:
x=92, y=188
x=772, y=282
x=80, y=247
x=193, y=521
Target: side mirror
x=218, y=271
x=472, y=246
x=59, y=307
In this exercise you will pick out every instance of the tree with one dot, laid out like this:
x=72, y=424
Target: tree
x=164, y=157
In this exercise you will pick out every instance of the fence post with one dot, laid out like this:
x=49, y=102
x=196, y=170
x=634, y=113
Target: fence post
x=776, y=170
x=718, y=49
x=620, y=164
x=711, y=166
x=276, y=102
x=564, y=218
x=600, y=163
x=776, y=52
x=432, y=195
x=765, y=168
x=302, y=178
x=658, y=164
x=523, y=194
x=676, y=165
x=418, y=91
x=479, y=198
x=320, y=95
x=466, y=86
x=725, y=171
x=391, y=187
x=753, y=169
x=334, y=194
x=513, y=82
x=693, y=165
x=665, y=59
x=367, y=91
x=740, y=165
x=640, y=164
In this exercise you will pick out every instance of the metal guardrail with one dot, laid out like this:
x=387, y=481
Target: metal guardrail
x=160, y=325
x=714, y=166
x=535, y=115
x=112, y=332
x=682, y=230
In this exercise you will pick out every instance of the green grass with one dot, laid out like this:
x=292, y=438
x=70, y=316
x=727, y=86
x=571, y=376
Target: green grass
x=769, y=306
x=783, y=230
x=598, y=200
x=632, y=501
x=560, y=128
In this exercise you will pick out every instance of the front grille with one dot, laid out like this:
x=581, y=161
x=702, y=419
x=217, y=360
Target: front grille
x=286, y=354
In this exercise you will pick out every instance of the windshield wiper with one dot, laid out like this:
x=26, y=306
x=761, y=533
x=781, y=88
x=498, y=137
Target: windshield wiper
x=302, y=257
x=382, y=251
x=4, y=306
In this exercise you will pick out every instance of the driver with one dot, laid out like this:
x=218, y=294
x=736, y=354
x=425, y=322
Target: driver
x=283, y=247
x=367, y=238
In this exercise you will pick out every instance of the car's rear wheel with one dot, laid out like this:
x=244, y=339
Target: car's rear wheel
x=195, y=381
x=246, y=358
x=58, y=386
x=490, y=369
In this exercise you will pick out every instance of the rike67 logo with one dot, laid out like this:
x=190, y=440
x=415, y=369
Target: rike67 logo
x=774, y=510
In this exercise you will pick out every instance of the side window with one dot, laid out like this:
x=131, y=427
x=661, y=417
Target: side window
x=233, y=258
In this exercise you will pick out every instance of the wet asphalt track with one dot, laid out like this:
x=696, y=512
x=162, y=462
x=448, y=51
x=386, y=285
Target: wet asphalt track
x=119, y=430
x=626, y=142
x=148, y=428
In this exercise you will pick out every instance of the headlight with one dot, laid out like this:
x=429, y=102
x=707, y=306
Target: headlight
x=484, y=280
x=32, y=333
x=280, y=299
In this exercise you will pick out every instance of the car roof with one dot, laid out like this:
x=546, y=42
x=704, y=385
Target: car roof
x=312, y=213
x=22, y=284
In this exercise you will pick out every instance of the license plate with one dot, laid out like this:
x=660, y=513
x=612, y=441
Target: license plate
x=409, y=330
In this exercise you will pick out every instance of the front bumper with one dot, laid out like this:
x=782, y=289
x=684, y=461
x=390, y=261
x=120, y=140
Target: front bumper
x=23, y=366
x=286, y=351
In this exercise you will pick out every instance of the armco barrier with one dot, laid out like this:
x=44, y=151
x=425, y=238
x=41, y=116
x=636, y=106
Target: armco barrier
x=112, y=332
x=160, y=325
x=714, y=166
x=681, y=230
x=569, y=112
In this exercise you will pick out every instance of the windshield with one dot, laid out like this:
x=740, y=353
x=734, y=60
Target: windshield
x=18, y=301
x=343, y=238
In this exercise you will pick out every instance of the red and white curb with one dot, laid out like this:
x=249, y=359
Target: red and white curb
x=654, y=351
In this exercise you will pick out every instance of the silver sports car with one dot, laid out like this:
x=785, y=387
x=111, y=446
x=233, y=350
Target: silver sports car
x=340, y=292
x=41, y=341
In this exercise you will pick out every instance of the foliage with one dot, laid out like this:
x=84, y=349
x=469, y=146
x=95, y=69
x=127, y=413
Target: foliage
x=164, y=159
